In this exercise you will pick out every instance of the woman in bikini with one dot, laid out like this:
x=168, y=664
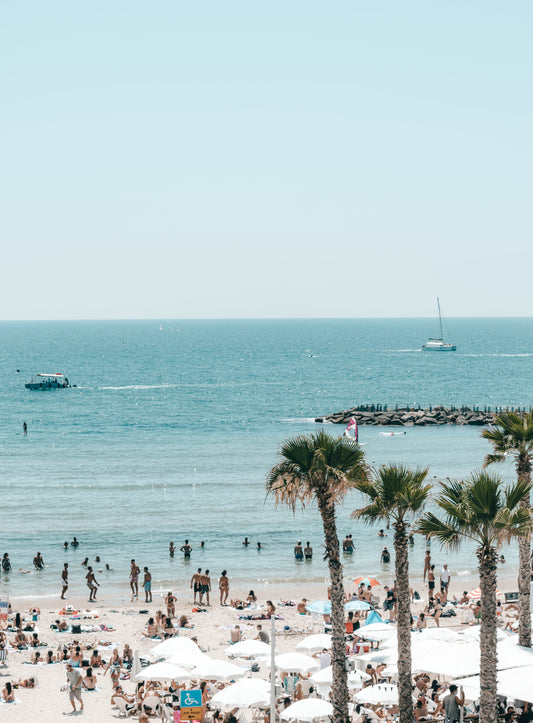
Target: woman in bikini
x=223, y=586
x=115, y=664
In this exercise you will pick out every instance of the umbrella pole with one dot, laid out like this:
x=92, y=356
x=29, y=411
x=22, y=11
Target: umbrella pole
x=272, y=670
x=462, y=710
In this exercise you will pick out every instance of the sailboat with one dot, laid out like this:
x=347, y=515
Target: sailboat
x=438, y=343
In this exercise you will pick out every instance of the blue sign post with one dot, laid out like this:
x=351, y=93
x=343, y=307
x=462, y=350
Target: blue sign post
x=191, y=704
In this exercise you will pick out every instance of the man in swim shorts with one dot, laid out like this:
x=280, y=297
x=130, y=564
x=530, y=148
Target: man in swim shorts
x=186, y=549
x=298, y=551
x=74, y=679
x=205, y=587
x=308, y=552
x=195, y=583
x=91, y=584
x=147, y=585
x=64, y=580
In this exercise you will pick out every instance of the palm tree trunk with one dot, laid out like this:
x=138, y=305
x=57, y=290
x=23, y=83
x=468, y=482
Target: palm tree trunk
x=405, y=695
x=339, y=686
x=523, y=469
x=488, y=708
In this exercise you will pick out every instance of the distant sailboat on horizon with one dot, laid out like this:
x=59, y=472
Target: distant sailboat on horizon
x=438, y=343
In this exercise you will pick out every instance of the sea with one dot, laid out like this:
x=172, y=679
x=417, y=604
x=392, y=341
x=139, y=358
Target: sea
x=173, y=426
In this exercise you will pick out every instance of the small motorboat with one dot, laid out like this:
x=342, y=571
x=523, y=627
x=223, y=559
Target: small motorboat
x=48, y=381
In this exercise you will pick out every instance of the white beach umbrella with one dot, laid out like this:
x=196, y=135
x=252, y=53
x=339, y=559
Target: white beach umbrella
x=175, y=645
x=472, y=633
x=444, y=634
x=308, y=709
x=247, y=693
x=356, y=678
x=382, y=694
x=220, y=670
x=390, y=671
x=314, y=643
x=163, y=671
x=512, y=683
x=377, y=631
x=296, y=663
x=248, y=649
x=188, y=660
x=136, y=666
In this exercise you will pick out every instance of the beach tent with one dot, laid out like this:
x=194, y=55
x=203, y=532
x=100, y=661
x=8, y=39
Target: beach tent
x=296, y=663
x=382, y=694
x=314, y=643
x=308, y=709
x=220, y=670
x=248, y=649
x=247, y=693
x=374, y=617
x=163, y=671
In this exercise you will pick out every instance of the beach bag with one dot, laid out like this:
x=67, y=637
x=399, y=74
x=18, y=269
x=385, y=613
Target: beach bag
x=76, y=629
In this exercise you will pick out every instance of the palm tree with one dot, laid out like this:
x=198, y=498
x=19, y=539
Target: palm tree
x=513, y=434
x=323, y=468
x=396, y=493
x=480, y=509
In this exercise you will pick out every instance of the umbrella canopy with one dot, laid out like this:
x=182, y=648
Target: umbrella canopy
x=308, y=709
x=476, y=594
x=444, y=634
x=246, y=693
x=382, y=694
x=175, y=645
x=357, y=605
x=323, y=607
x=296, y=663
x=314, y=643
x=377, y=631
x=325, y=677
x=374, y=617
x=163, y=671
x=512, y=683
x=390, y=671
x=472, y=633
x=248, y=649
x=366, y=581
x=220, y=670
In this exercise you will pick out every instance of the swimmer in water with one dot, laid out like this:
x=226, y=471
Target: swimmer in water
x=186, y=549
x=246, y=542
x=259, y=546
x=171, y=549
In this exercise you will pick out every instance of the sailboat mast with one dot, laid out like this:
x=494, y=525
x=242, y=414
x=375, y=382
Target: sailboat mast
x=440, y=318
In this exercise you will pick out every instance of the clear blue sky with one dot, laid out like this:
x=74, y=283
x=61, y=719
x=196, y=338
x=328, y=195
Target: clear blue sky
x=243, y=159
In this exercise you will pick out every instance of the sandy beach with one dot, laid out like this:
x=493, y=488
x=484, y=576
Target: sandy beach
x=48, y=702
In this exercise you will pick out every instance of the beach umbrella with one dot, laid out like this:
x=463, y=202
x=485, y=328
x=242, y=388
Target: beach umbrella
x=382, y=694
x=511, y=683
x=354, y=605
x=472, y=633
x=296, y=663
x=366, y=581
x=314, y=643
x=246, y=693
x=248, y=649
x=308, y=709
x=390, y=671
x=175, y=645
x=356, y=678
x=163, y=671
x=187, y=660
x=377, y=631
x=136, y=665
x=476, y=594
x=444, y=634
x=220, y=670
x=374, y=617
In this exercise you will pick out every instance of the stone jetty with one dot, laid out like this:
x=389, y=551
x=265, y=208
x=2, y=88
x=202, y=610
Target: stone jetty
x=380, y=416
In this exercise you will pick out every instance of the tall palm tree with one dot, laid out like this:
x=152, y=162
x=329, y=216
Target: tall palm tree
x=323, y=468
x=513, y=434
x=397, y=493
x=482, y=510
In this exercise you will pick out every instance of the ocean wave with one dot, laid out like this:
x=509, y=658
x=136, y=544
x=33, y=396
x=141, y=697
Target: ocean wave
x=142, y=386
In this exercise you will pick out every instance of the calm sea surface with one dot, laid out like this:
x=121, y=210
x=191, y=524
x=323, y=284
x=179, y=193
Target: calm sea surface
x=170, y=433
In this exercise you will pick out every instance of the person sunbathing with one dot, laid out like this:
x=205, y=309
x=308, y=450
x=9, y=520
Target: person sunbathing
x=301, y=607
x=152, y=629
x=20, y=642
x=34, y=641
x=89, y=681
x=8, y=694
x=96, y=660
x=61, y=625
x=50, y=657
x=27, y=683
x=168, y=629
x=184, y=622
x=76, y=657
x=36, y=657
x=150, y=694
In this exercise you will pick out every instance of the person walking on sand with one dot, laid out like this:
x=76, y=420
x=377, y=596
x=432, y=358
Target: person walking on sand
x=147, y=585
x=431, y=580
x=64, y=580
x=223, y=586
x=170, y=602
x=134, y=579
x=92, y=584
x=445, y=577
x=195, y=584
x=206, y=587
x=427, y=563
x=74, y=679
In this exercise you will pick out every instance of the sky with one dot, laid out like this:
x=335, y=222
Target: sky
x=289, y=158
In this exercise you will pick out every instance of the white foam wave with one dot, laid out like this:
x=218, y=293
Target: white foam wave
x=143, y=386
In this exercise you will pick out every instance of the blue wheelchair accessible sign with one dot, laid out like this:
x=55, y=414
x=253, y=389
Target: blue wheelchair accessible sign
x=191, y=699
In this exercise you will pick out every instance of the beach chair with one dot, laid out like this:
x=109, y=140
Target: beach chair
x=123, y=709
x=153, y=703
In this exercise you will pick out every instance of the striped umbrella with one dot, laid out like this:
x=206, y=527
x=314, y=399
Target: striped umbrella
x=366, y=581
x=476, y=594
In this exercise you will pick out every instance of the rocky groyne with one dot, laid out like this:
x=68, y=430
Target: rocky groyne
x=379, y=415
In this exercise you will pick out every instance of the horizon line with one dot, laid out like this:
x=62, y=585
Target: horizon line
x=257, y=318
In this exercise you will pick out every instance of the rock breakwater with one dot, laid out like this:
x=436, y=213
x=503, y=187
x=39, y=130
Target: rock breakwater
x=380, y=416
